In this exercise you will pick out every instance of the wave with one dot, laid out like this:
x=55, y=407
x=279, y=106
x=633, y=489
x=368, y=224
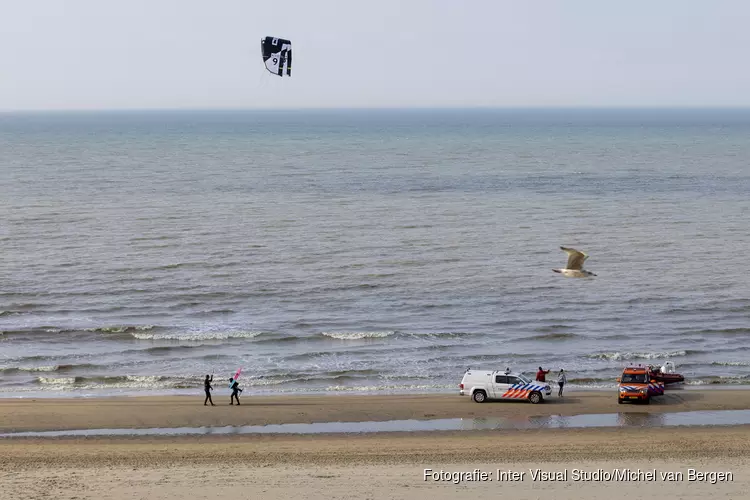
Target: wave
x=553, y=336
x=120, y=382
x=111, y=331
x=332, y=381
x=121, y=329
x=197, y=335
x=145, y=332
x=719, y=380
x=308, y=378
x=186, y=382
x=717, y=331
x=499, y=357
x=552, y=328
x=32, y=331
x=273, y=338
x=355, y=335
x=163, y=349
x=358, y=335
x=619, y=356
x=14, y=369
x=389, y=387
x=591, y=380
x=57, y=380
x=47, y=368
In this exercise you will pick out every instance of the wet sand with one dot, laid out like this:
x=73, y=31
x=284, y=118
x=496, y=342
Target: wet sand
x=180, y=411
x=373, y=466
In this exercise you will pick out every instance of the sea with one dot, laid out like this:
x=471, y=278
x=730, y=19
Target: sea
x=369, y=251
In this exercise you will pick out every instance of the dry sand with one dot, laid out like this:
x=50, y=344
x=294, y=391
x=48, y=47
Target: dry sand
x=375, y=466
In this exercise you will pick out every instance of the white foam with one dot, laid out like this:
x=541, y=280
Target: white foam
x=375, y=388
x=618, y=356
x=126, y=382
x=120, y=329
x=50, y=368
x=57, y=380
x=357, y=335
x=150, y=379
x=195, y=336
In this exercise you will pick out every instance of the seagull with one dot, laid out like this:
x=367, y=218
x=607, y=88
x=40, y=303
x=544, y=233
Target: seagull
x=574, y=269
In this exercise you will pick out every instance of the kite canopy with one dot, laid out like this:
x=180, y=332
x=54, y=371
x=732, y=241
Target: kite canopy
x=277, y=55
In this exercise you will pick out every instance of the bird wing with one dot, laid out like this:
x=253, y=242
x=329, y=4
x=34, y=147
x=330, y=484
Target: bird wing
x=575, y=258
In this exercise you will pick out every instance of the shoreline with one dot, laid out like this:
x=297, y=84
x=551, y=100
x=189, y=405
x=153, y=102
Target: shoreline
x=28, y=415
x=249, y=392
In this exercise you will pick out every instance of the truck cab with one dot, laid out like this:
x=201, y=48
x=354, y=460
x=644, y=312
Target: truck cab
x=483, y=385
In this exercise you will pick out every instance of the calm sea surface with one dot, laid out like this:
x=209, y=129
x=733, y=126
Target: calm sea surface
x=369, y=251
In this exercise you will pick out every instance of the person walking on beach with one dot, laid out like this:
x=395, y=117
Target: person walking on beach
x=235, y=392
x=540, y=375
x=561, y=381
x=207, y=387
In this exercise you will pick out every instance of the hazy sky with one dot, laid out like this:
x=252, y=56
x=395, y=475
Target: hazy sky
x=89, y=54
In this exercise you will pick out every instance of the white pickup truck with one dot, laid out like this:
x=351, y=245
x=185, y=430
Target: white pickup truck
x=482, y=385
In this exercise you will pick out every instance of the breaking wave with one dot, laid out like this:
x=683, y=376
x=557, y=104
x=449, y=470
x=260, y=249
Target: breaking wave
x=120, y=329
x=45, y=368
x=120, y=382
x=354, y=335
x=357, y=335
x=620, y=356
x=198, y=335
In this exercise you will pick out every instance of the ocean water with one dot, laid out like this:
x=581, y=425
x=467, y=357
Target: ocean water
x=369, y=251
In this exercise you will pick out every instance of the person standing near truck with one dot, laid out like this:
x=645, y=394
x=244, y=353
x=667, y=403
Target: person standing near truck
x=540, y=375
x=561, y=381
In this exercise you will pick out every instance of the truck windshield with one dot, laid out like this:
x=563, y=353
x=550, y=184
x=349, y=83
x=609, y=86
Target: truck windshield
x=638, y=378
x=524, y=379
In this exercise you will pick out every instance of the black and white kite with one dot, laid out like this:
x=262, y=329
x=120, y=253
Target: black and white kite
x=277, y=55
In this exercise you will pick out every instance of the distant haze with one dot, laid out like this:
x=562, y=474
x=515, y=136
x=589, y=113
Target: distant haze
x=93, y=54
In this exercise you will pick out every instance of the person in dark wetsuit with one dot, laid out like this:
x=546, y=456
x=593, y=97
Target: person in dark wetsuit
x=235, y=392
x=207, y=387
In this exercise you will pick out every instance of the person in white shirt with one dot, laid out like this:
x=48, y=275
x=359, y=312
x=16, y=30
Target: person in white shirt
x=561, y=380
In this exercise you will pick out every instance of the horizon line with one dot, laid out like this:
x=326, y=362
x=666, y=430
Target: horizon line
x=382, y=108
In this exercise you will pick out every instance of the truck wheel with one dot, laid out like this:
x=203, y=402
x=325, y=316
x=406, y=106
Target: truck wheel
x=619, y=400
x=479, y=396
x=647, y=400
x=535, y=397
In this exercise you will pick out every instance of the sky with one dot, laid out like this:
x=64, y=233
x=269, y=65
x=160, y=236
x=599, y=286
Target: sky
x=198, y=54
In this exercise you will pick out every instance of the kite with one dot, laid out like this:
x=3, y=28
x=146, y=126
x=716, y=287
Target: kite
x=277, y=55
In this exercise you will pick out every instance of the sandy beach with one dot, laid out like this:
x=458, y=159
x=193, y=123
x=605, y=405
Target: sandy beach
x=180, y=411
x=378, y=466
x=375, y=466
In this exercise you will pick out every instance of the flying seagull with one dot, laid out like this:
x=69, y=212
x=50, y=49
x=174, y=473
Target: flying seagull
x=574, y=269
